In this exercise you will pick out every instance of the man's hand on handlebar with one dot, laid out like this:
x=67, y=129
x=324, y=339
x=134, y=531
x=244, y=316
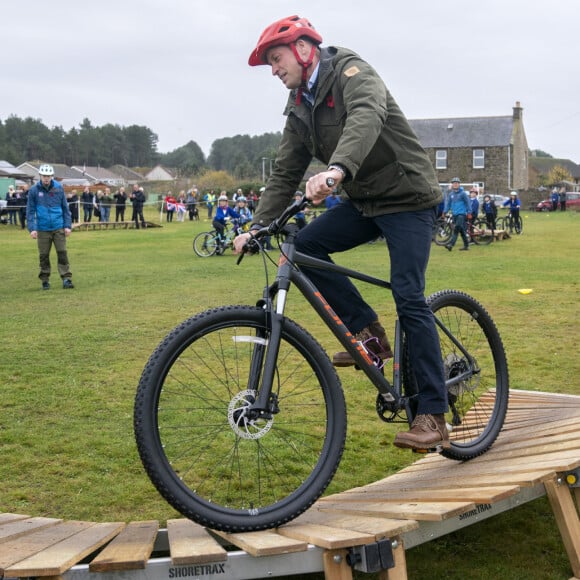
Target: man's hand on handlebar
x=240, y=241
x=320, y=186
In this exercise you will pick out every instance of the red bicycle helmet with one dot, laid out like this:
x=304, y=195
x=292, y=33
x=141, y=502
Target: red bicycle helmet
x=284, y=31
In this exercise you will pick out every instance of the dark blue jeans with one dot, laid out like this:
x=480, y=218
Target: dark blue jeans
x=408, y=236
x=459, y=222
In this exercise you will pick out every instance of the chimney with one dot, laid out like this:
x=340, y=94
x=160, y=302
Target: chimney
x=517, y=111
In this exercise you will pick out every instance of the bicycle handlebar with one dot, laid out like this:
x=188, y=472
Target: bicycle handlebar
x=251, y=246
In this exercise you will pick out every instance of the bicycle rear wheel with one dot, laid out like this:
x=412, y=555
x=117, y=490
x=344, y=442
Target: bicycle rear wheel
x=205, y=244
x=202, y=454
x=471, y=346
x=482, y=235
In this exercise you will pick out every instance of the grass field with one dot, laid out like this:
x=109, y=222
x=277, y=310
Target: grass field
x=71, y=361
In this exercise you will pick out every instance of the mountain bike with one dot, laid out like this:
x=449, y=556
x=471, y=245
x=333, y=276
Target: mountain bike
x=443, y=229
x=209, y=243
x=240, y=416
x=511, y=223
x=478, y=231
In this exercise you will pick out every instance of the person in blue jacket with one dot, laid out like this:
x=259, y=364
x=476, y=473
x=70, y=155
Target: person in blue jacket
x=458, y=203
x=490, y=212
x=222, y=214
x=49, y=222
x=474, y=210
x=514, y=204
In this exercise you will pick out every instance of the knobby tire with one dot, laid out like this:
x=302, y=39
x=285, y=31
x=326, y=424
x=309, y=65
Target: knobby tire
x=210, y=464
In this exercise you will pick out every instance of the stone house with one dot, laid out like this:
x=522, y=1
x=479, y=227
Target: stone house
x=489, y=151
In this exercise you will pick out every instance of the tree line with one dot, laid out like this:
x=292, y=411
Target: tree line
x=29, y=139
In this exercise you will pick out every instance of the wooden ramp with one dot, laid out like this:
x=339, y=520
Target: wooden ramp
x=537, y=453
x=86, y=226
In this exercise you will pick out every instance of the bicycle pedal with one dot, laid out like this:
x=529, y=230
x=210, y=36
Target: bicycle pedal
x=436, y=449
x=421, y=451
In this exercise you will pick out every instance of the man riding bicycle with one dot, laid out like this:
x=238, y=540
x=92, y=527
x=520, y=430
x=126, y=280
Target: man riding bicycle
x=340, y=112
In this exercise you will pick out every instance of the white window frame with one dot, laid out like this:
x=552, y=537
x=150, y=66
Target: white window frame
x=441, y=160
x=479, y=159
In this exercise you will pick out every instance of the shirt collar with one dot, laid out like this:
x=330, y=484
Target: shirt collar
x=311, y=85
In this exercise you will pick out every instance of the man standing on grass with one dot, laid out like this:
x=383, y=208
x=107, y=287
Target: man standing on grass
x=49, y=222
x=459, y=205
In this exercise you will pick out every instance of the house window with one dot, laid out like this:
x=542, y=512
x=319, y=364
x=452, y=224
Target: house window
x=478, y=159
x=441, y=159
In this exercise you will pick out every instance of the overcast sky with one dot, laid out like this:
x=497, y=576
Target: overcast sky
x=180, y=67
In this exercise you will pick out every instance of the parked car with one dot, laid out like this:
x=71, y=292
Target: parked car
x=572, y=202
x=544, y=205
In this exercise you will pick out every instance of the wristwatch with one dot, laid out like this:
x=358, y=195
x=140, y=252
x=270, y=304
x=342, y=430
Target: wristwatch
x=338, y=168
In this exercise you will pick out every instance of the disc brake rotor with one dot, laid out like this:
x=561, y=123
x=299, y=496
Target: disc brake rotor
x=455, y=366
x=239, y=420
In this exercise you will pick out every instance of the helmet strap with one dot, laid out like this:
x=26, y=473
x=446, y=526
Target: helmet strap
x=305, y=64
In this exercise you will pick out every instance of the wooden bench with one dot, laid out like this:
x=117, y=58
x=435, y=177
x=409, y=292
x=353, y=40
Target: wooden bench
x=537, y=453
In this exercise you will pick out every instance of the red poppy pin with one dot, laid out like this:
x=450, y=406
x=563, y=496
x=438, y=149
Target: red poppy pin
x=330, y=101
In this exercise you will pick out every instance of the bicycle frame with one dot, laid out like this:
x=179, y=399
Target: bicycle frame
x=288, y=274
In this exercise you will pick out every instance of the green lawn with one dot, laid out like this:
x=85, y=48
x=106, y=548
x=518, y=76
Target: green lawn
x=71, y=361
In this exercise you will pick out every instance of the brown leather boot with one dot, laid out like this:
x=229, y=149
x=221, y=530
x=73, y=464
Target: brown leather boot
x=427, y=431
x=375, y=341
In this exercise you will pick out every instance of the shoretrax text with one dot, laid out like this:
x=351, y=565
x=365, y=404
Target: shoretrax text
x=203, y=570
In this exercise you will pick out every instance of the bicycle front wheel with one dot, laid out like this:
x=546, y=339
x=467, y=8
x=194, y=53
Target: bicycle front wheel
x=442, y=232
x=205, y=244
x=472, y=349
x=200, y=451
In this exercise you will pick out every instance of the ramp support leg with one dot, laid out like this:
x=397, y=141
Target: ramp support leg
x=399, y=571
x=335, y=565
x=566, y=514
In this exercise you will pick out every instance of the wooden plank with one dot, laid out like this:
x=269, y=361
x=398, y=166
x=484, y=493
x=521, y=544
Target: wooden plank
x=190, y=543
x=473, y=494
x=452, y=479
x=58, y=558
x=266, y=543
x=428, y=511
x=18, y=549
x=379, y=527
x=17, y=528
x=7, y=517
x=130, y=550
x=326, y=537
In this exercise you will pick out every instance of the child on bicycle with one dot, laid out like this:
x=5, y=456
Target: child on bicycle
x=340, y=112
x=514, y=205
x=223, y=213
x=243, y=211
x=490, y=211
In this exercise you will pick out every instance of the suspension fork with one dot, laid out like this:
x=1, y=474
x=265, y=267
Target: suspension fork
x=265, y=353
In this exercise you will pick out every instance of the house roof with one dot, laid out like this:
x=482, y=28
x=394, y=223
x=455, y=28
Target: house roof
x=161, y=169
x=97, y=173
x=8, y=170
x=464, y=131
x=127, y=173
x=61, y=171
